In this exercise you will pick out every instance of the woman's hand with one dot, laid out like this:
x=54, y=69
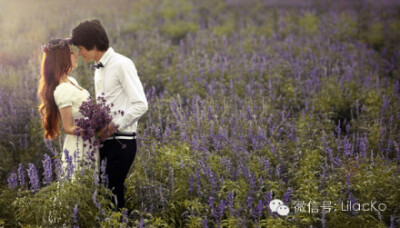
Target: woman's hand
x=107, y=131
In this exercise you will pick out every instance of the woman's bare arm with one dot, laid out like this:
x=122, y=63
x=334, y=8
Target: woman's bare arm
x=67, y=121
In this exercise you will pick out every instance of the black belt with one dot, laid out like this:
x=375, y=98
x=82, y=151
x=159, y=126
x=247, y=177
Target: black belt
x=127, y=136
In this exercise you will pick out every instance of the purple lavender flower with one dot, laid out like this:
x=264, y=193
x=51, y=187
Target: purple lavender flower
x=33, y=177
x=323, y=219
x=265, y=162
x=348, y=129
x=397, y=149
x=252, y=181
x=392, y=221
x=198, y=186
x=205, y=222
x=21, y=175
x=96, y=117
x=70, y=164
x=94, y=198
x=221, y=208
x=141, y=223
x=48, y=170
x=277, y=171
x=292, y=133
x=125, y=217
x=348, y=181
x=75, y=215
x=49, y=146
x=103, y=174
x=286, y=196
x=338, y=130
x=388, y=148
x=12, y=180
x=260, y=208
x=269, y=197
x=346, y=147
x=386, y=103
x=96, y=179
x=210, y=113
x=211, y=206
x=353, y=201
x=363, y=146
x=250, y=206
x=191, y=179
x=213, y=184
x=58, y=168
x=230, y=202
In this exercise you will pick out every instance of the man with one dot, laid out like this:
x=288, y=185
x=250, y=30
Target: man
x=117, y=81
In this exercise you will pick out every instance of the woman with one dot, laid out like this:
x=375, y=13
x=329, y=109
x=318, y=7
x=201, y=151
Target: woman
x=60, y=98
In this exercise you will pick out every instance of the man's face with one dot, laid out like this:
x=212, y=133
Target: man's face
x=86, y=55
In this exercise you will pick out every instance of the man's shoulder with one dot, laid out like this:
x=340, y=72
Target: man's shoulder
x=119, y=58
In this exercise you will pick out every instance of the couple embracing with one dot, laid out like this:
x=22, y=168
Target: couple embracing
x=115, y=79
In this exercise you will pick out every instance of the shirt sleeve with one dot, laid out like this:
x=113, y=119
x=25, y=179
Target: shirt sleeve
x=133, y=89
x=63, y=96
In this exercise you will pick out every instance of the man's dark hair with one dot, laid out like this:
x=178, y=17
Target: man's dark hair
x=90, y=34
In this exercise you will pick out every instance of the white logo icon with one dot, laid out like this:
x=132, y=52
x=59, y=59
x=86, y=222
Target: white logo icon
x=277, y=205
x=274, y=204
x=283, y=210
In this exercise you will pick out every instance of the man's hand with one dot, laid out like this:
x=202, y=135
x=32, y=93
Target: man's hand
x=107, y=131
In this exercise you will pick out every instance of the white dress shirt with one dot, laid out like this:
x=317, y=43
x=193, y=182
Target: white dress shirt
x=120, y=83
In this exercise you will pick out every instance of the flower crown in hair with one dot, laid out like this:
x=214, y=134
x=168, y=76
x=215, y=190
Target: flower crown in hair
x=52, y=46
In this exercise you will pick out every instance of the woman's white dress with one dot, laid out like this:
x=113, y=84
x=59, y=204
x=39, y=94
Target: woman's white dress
x=71, y=94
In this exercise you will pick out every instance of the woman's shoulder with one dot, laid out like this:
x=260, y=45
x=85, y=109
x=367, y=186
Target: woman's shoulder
x=62, y=88
x=67, y=84
x=73, y=80
x=75, y=83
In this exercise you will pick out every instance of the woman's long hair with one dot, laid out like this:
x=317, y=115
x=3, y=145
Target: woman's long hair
x=56, y=62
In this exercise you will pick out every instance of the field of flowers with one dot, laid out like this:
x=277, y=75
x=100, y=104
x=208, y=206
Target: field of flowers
x=249, y=101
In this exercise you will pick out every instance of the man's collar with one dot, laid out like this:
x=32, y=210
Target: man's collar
x=104, y=59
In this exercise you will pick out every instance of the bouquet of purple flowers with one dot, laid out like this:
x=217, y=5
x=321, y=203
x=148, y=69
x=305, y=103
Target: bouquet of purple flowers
x=97, y=116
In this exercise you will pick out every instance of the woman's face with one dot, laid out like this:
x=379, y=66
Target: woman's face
x=74, y=57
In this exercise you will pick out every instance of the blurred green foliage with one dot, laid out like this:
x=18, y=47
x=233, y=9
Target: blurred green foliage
x=309, y=23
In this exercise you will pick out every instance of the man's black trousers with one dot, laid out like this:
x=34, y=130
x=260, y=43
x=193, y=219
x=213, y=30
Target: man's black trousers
x=119, y=159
